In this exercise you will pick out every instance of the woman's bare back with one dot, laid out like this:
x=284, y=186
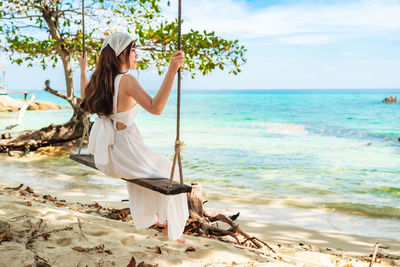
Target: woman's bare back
x=124, y=103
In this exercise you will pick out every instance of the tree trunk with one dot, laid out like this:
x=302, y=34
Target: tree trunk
x=52, y=21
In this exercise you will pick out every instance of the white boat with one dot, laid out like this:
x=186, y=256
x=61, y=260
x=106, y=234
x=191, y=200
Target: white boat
x=3, y=88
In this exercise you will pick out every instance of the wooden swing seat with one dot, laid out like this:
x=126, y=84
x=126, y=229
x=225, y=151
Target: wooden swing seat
x=160, y=185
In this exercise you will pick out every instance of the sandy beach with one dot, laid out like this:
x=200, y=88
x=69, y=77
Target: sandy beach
x=282, y=116
x=42, y=230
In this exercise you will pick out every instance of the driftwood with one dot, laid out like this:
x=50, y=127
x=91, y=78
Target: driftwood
x=201, y=223
x=376, y=247
x=52, y=134
x=80, y=228
x=38, y=231
x=41, y=262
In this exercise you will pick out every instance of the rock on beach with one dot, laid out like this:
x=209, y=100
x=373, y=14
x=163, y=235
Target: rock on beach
x=10, y=104
x=390, y=99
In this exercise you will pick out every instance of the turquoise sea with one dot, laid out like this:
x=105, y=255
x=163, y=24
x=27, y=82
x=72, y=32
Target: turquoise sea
x=326, y=159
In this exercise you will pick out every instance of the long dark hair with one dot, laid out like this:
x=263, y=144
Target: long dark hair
x=100, y=89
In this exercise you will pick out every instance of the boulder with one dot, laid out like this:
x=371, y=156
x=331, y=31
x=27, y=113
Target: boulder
x=43, y=105
x=10, y=104
x=5, y=135
x=390, y=99
x=33, y=106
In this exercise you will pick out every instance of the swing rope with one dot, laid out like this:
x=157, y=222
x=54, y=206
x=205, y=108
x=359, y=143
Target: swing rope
x=178, y=142
x=85, y=119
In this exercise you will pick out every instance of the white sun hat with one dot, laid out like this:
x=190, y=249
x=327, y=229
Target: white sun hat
x=118, y=41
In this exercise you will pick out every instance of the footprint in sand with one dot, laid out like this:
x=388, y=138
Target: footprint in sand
x=130, y=240
x=96, y=233
x=65, y=241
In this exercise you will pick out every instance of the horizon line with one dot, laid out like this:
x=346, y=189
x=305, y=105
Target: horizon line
x=237, y=89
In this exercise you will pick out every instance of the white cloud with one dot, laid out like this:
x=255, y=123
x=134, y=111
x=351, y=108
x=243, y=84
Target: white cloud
x=308, y=39
x=293, y=24
x=329, y=68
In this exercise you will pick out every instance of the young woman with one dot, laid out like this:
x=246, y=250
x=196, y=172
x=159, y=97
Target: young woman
x=115, y=140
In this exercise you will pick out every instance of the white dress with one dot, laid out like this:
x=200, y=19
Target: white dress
x=123, y=154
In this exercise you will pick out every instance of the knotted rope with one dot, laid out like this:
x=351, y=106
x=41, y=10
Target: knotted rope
x=178, y=146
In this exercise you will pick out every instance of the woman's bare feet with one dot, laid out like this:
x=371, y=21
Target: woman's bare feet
x=181, y=240
x=158, y=222
x=165, y=232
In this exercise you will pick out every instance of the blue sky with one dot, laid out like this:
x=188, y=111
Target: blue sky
x=291, y=45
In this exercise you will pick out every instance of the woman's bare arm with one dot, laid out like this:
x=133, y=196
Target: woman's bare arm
x=157, y=104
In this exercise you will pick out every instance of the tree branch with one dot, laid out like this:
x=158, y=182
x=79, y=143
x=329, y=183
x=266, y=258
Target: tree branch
x=54, y=92
x=26, y=17
x=37, y=6
x=31, y=26
x=58, y=12
x=143, y=48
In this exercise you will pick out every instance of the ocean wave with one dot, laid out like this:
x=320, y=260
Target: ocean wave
x=356, y=134
x=254, y=200
x=360, y=209
x=280, y=128
x=394, y=191
x=365, y=209
x=353, y=208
